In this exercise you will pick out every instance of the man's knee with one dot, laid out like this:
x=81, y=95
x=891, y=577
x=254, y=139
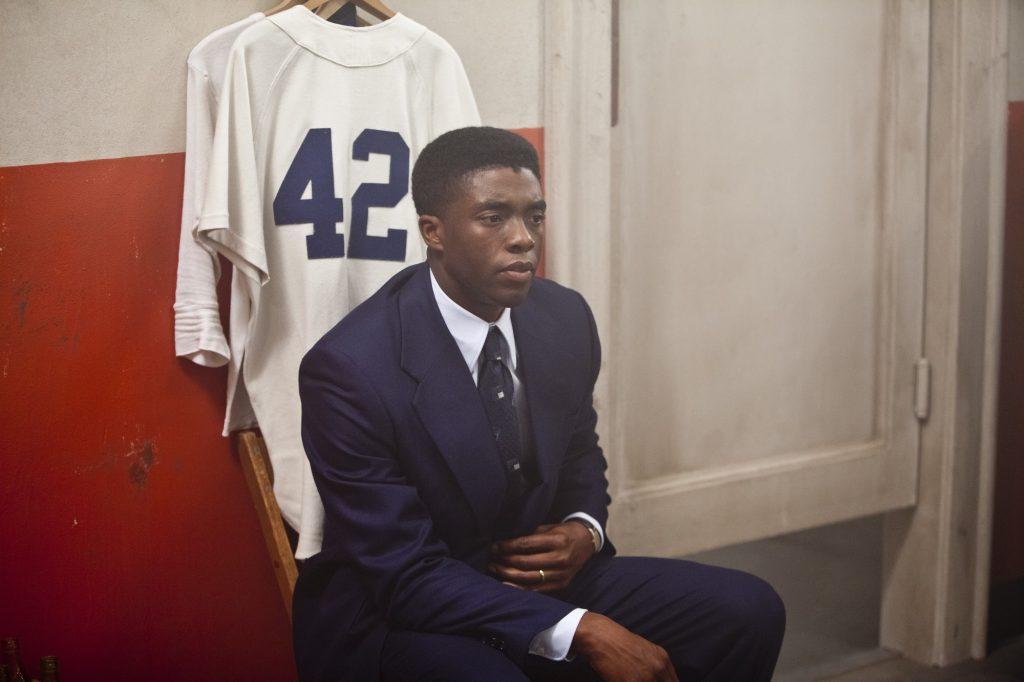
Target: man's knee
x=754, y=608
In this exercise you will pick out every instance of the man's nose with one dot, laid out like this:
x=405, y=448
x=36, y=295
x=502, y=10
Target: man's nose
x=520, y=239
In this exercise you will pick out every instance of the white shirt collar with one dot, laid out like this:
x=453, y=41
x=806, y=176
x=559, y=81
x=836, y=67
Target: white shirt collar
x=470, y=331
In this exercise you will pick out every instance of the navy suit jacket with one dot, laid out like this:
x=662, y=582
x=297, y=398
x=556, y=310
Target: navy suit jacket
x=412, y=482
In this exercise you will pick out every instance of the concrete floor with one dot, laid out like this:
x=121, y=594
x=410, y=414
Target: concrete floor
x=1004, y=665
x=830, y=581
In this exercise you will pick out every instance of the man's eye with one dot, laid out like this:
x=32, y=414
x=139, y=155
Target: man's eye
x=539, y=219
x=493, y=219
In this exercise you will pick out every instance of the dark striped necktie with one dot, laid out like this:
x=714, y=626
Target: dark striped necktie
x=494, y=381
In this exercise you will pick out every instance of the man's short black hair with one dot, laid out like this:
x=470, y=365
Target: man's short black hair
x=444, y=163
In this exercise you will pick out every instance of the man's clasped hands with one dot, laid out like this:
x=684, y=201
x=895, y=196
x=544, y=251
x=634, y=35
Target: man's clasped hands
x=560, y=550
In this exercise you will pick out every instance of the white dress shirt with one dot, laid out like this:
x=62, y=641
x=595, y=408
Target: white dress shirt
x=470, y=332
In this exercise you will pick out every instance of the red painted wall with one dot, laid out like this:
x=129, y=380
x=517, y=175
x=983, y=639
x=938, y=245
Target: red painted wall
x=1008, y=530
x=130, y=548
x=128, y=543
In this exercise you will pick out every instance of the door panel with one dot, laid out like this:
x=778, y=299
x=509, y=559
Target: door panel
x=768, y=193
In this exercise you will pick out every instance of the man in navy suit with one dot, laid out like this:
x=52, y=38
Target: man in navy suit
x=450, y=427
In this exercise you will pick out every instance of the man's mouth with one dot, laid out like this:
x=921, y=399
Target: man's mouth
x=520, y=271
x=521, y=266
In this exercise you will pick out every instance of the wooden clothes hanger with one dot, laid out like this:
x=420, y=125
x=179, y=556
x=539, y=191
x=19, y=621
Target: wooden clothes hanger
x=374, y=7
x=333, y=9
x=282, y=6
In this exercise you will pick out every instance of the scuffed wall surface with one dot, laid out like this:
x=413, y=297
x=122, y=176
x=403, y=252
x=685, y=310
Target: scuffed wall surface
x=130, y=546
x=1007, y=538
x=1006, y=596
x=1008, y=518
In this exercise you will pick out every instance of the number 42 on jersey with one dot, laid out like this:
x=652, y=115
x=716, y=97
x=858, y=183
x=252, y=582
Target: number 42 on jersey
x=312, y=167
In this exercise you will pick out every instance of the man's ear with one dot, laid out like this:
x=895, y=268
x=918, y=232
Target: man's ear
x=432, y=231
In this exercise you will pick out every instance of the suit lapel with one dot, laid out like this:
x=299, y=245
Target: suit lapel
x=447, y=401
x=543, y=368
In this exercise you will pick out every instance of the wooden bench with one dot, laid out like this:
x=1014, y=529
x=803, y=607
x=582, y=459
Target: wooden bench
x=259, y=476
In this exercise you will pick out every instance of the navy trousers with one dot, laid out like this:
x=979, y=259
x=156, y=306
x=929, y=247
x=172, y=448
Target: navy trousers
x=715, y=623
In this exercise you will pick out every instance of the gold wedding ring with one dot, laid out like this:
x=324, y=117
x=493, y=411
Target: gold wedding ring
x=541, y=571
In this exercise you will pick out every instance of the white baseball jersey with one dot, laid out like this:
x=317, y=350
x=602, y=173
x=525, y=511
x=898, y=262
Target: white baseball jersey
x=308, y=196
x=198, y=335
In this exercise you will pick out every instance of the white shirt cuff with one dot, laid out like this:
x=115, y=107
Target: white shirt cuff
x=554, y=642
x=589, y=519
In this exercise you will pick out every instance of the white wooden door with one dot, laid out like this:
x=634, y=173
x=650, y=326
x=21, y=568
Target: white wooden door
x=761, y=291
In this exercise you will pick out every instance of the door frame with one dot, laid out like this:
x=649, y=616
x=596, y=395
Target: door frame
x=936, y=556
x=932, y=551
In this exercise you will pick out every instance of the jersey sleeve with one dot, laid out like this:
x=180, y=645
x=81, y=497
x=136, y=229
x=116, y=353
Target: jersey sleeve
x=452, y=104
x=232, y=217
x=198, y=334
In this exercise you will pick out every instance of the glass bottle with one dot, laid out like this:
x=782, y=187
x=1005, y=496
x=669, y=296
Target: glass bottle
x=48, y=671
x=15, y=670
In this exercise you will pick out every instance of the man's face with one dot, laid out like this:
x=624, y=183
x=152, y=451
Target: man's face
x=489, y=240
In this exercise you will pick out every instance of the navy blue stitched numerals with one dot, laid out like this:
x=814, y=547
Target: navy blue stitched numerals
x=313, y=167
x=362, y=245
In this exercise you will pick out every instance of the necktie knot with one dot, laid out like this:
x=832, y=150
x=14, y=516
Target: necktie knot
x=495, y=347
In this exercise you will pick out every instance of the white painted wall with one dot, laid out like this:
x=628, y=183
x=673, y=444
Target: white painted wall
x=1015, y=90
x=500, y=42
x=97, y=79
